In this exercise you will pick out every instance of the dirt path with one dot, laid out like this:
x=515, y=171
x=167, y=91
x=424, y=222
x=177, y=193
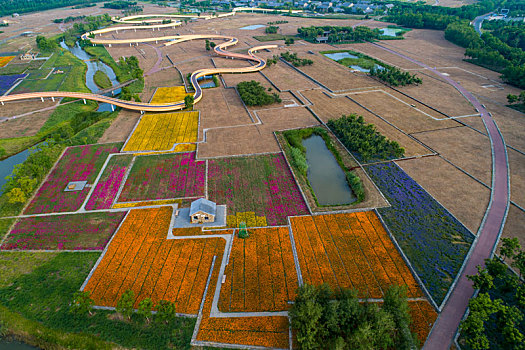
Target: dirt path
x=446, y=326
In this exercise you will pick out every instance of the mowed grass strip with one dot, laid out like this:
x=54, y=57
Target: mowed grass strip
x=261, y=273
x=350, y=251
x=141, y=259
x=159, y=132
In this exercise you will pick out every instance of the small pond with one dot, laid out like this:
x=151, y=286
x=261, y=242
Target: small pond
x=325, y=175
x=93, y=66
x=391, y=31
x=339, y=55
x=206, y=82
x=364, y=70
x=14, y=345
x=253, y=26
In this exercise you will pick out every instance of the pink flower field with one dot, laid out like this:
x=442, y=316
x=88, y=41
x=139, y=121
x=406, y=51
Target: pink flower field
x=109, y=183
x=80, y=163
x=58, y=232
x=164, y=176
x=261, y=184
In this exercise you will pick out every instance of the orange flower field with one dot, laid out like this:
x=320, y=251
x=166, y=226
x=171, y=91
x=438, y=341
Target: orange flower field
x=197, y=231
x=350, y=251
x=271, y=332
x=260, y=275
x=423, y=317
x=140, y=258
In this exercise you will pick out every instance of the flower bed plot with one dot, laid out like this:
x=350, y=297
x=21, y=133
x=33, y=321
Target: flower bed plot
x=81, y=163
x=164, y=176
x=169, y=94
x=6, y=81
x=141, y=259
x=159, y=132
x=260, y=184
x=5, y=60
x=423, y=317
x=433, y=240
x=71, y=232
x=109, y=183
x=350, y=251
x=260, y=275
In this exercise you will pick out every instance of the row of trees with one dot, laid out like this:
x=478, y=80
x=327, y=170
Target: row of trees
x=8, y=7
x=496, y=318
x=339, y=34
x=119, y=4
x=271, y=29
x=164, y=310
x=296, y=61
x=363, y=139
x=253, y=94
x=327, y=320
x=68, y=19
x=395, y=76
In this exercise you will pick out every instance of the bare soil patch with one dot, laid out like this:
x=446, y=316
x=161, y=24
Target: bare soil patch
x=121, y=127
x=285, y=78
x=514, y=226
x=464, y=197
x=517, y=177
x=28, y=125
x=382, y=55
x=165, y=78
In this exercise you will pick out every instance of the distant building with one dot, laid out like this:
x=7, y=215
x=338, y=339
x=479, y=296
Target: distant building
x=28, y=56
x=202, y=211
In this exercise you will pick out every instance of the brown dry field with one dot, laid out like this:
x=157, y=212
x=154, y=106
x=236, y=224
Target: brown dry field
x=380, y=54
x=121, y=127
x=474, y=122
x=18, y=108
x=514, y=225
x=464, y=197
x=24, y=126
x=165, y=78
x=285, y=78
x=517, y=177
x=329, y=108
x=285, y=118
x=221, y=107
x=401, y=114
x=464, y=147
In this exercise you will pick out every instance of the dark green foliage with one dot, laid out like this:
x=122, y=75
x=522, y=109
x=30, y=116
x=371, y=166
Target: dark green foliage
x=289, y=41
x=207, y=45
x=46, y=45
x=101, y=79
x=296, y=61
x=125, y=304
x=271, y=30
x=119, y=4
x=462, y=33
x=272, y=60
x=395, y=76
x=188, y=101
x=44, y=295
x=165, y=312
x=8, y=7
x=298, y=156
x=363, y=140
x=496, y=314
x=216, y=80
x=81, y=303
x=68, y=19
x=339, y=34
x=145, y=308
x=327, y=320
x=253, y=94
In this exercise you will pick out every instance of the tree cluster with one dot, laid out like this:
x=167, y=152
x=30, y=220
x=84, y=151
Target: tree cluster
x=363, y=139
x=496, y=314
x=271, y=30
x=119, y=4
x=395, y=76
x=327, y=320
x=339, y=34
x=68, y=19
x=296, y=61
x=277, y=22
x=46, y=45
x=516, y=98
x=8, y=7
x=253, y=94
x=130, y=65
x=272, y=60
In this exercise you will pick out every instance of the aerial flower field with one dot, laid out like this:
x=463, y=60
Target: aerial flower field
x=169, y=94
x=90, y=231
x=260, y=184
x=4, y=60
x=351, y=251
x=81, y=163
x=434, y=241
x=109, y=183
x=6, y=81
x=159, y=132
x=141, y=259
x=164, y=176
x=260, y=275
x=248, y=218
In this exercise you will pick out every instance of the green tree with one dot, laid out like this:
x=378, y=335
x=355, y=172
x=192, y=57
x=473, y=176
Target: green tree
x=188, y=101
x=125, y=304
x=396, y=304
x=82, y=303
x=305, y=314
x=483, y=280
x=165, y=311
x=16, y=195
x=473, y=328
x=509, y=247
x=145, y=307
x=519, y=262
x=512, y=98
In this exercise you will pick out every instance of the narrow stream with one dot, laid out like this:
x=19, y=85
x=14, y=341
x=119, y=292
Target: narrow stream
x=93, y=66
x=325, y=175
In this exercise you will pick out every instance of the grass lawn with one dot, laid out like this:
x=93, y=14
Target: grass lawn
x=34, y=300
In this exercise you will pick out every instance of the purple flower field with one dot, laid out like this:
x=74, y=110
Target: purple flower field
x=6, y=81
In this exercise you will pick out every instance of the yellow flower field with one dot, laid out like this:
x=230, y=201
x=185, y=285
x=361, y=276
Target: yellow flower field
x=5, y=60
x=159, y=132
x=169, y=94
x=249, y=218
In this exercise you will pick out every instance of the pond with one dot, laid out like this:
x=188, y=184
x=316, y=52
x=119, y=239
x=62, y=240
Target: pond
x=93, y=66
x=391, y=31
x=206, y=82
x=14, y=345
x=326, y=177
x=364, y=70
x=339, y=55
x=253, y=26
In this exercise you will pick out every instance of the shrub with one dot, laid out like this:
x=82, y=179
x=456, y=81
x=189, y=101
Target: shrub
x=82, y=303
x=165, y=311
x=145, y=307
x=254, y=94
x=125, y=304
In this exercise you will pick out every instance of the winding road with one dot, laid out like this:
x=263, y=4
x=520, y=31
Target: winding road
x=220, y=50
x=483, y=247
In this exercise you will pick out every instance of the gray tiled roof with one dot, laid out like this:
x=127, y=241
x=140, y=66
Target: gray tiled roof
x=203, y=205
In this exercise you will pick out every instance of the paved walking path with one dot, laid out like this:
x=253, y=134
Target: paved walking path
x=487, y=238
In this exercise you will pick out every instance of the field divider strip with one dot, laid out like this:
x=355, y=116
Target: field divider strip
x=95, y=183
